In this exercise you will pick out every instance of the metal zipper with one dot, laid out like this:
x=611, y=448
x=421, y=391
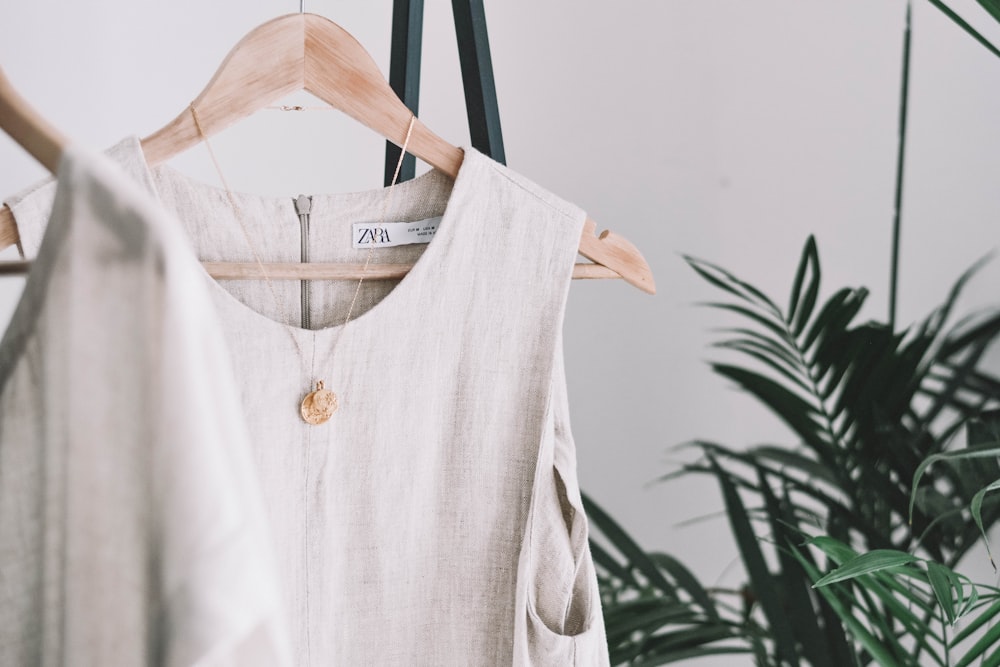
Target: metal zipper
x=303, y=207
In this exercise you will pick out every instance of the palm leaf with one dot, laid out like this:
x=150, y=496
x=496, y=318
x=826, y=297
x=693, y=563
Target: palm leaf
x=725, y=280
x=804, y=293
x=871, y=644
x=775, y=326
x=752, y=349
x=941, y=582
x=881, y=599
x=977, y=500
x=964, y=25
x=795, y=412
x=835, y=507
x=795, y=592
x=652, y=658
x=636, y=557
x=966, y=335
x=687, y=582
x=991, y=6
x=779, y=347
x=836, y=314
x=760, y=576
x=989, y=615
x=653, y=607
x=976, y=507
x=873, y=561
x=983, y=644
x=790, y=459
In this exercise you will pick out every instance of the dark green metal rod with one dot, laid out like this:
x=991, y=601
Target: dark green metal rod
x=404, y=75
x=900, y=160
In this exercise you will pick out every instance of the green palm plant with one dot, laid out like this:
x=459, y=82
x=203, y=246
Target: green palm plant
x=928, y=598
x=655, y=611
x=867, y=405
x=900, y=607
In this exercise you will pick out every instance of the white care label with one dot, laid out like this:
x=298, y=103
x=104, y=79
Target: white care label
x=388, y=234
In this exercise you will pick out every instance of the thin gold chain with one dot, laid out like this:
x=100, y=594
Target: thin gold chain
x=237, y=212
x=385, y=208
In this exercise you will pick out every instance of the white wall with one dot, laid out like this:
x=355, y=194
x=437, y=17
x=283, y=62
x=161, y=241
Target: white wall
x=726, y=129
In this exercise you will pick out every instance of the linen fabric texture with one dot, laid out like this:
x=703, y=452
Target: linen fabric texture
x=436, y=518
x=132, y=529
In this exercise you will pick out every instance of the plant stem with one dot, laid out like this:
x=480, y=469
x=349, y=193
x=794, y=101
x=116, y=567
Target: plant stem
x=900, y=158
x=944, y=636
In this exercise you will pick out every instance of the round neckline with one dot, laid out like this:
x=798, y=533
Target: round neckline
x=433, y=256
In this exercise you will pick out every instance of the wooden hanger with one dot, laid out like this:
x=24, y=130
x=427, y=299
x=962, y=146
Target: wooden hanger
x=25, y=126
x=309, y=52
x=43, y=141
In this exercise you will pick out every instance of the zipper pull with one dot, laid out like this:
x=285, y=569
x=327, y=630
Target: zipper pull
x=303, y=205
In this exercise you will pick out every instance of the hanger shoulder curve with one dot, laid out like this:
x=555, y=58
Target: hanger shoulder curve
x=25, y=126
x=300, y=52
x=355, y=85
x=241, y=85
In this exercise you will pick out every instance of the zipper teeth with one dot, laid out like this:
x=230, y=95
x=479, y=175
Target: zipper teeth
x=303, y=206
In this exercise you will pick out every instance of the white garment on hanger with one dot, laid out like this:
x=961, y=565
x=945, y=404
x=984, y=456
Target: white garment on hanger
x=131, y=524
x=436, y=518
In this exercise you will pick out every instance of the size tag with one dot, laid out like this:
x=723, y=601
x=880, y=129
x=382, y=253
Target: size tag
x=388, y=234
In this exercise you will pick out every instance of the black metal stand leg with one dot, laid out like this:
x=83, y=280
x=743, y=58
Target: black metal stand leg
x=477, y=75
x=404, y=74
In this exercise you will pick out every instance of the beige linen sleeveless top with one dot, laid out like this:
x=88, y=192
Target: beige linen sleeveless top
x=435, y=519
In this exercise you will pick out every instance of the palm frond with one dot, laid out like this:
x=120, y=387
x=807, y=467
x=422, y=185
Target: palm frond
x=653, y=606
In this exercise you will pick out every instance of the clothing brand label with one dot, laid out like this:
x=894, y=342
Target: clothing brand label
x=388, y=234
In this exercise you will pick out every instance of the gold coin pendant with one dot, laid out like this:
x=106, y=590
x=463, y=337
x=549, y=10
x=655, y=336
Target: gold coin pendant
x=319, y=405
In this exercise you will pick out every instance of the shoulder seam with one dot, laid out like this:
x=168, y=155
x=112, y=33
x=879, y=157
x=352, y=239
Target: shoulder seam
x=496, y=167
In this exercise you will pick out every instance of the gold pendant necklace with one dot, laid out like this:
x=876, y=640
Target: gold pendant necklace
x=319, y=404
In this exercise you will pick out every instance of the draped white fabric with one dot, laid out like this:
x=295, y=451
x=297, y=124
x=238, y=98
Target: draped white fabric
x=132, y=529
